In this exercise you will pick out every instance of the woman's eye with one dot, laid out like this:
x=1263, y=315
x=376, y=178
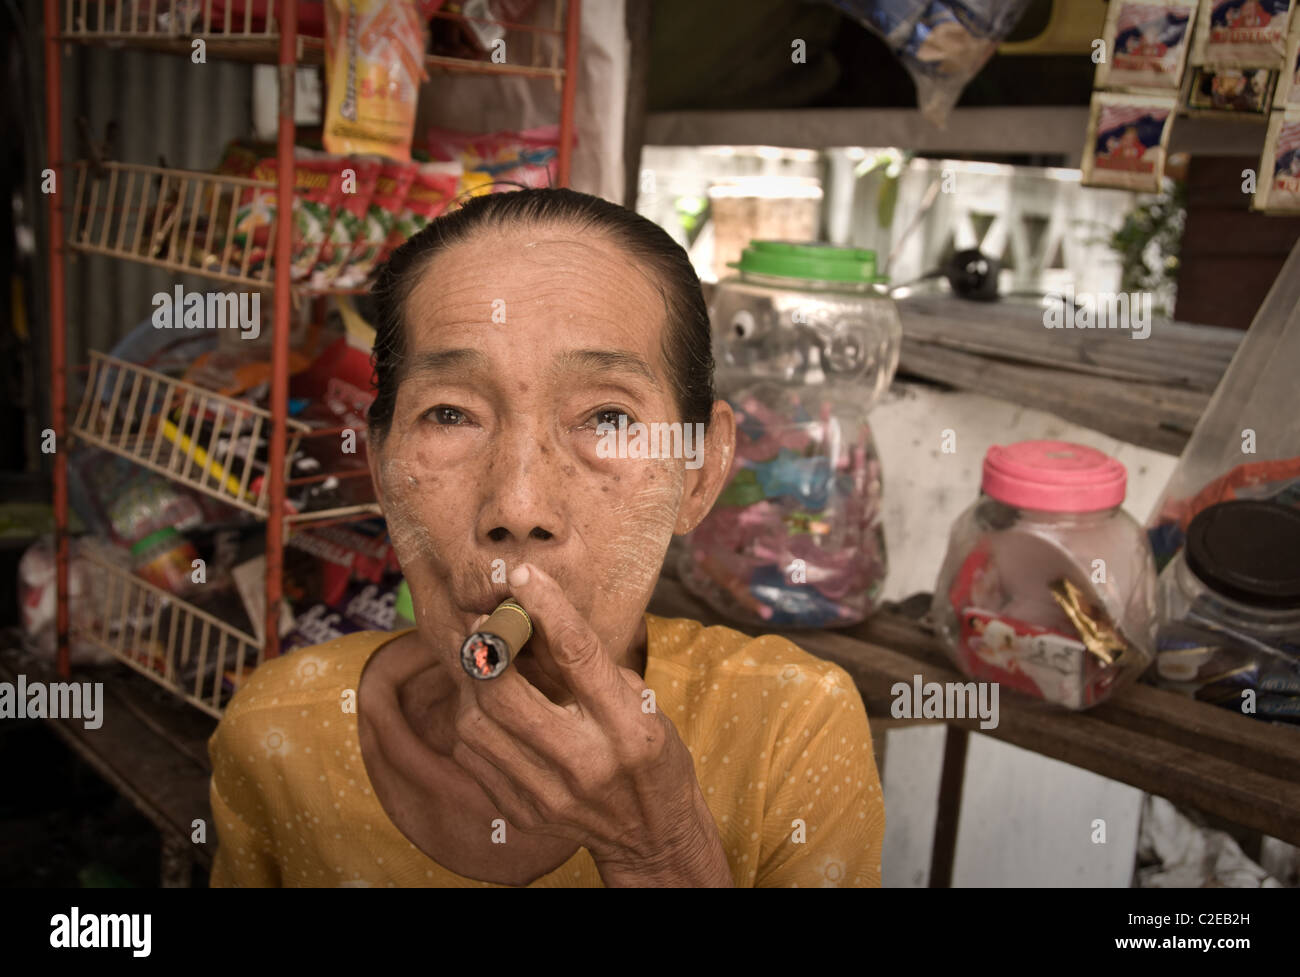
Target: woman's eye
x=608, y=416
x=448, y=416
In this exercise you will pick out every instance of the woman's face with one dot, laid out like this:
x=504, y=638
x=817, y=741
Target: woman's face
x=519, y=343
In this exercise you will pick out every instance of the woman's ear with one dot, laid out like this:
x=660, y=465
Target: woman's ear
x=704, y=484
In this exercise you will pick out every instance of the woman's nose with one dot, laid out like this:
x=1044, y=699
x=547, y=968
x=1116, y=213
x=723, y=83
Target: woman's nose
x=525, y=490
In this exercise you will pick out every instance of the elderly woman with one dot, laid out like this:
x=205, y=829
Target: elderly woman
x=619, y=748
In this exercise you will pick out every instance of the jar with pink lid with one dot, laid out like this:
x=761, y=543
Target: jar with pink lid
x=1048, y=586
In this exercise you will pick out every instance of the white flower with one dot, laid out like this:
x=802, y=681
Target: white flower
x=275, y=743
x=790, y=673
x=831, y=684
x=833, y=872
x=310, y=668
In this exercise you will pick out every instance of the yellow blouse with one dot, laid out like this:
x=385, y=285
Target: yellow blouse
x=780, y=739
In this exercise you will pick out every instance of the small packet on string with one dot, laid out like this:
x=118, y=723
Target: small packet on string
x=1288, y=83
x=1127, y=139
x=318, y=191
x=391, y=188
x=374, y=54
x=433, y=188
x=1242, y=93
x=1146, y=44
x=1242, y=33
x=359, y=176
x=1278, y=191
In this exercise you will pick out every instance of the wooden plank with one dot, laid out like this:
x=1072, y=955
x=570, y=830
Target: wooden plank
x=1172, y=349
x=998, y=131
x=1161, y=418
x=1142, y=708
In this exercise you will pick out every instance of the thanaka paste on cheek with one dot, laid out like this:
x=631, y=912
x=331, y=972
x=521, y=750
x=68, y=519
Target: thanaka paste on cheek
x=403, y=496
x=644, y=523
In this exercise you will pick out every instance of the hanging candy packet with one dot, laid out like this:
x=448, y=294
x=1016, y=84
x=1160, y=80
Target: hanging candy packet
x=1146, y=44
x=433, y=187
x=1278, y=191
x=374, y=65
x=359, y=175
x=1127, y=140
x=391, y=187
x=1224, y=92
x=318, y=191
x=1242, y=33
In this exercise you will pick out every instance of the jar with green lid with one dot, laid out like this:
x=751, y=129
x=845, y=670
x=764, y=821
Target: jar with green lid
x=805, y=341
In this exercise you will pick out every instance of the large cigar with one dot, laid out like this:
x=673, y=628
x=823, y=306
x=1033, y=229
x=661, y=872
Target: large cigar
x=486, y=653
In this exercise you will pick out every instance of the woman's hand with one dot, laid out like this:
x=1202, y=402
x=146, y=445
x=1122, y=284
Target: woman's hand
x=607, y=771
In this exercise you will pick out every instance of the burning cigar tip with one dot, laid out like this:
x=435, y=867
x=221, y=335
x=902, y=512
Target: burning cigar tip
x=496, y=640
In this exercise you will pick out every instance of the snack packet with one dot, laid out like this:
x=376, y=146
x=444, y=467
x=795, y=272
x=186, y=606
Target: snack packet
x=1239, y=92
x=1146, y=42
x=1242, y=33
x=1278, y=191
x=348, y=224
x=391, y=187
x=1127, y=136
x=526, y=157
x=374, y=53
x=433, y=187
x=318, y=191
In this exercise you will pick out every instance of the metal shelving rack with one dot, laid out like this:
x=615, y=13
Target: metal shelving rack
x=118, y=211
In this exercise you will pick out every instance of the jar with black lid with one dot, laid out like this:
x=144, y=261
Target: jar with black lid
x=1230, y=610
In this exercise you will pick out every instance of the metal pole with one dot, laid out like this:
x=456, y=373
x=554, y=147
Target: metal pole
x=280, y=328
x=571, y=32
x=58, y=349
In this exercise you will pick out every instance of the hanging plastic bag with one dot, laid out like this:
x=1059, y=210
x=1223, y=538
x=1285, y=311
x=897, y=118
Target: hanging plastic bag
x=942, y=43
x=1247, y=443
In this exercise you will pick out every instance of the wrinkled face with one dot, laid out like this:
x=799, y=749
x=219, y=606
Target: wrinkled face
x=520, y=345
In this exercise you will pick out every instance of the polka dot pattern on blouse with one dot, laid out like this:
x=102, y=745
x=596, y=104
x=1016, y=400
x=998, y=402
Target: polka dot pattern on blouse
x=780, y=740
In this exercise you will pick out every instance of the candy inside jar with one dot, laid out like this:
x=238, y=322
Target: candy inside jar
x=795, y=538
x=1048, y=587
x=805, y=340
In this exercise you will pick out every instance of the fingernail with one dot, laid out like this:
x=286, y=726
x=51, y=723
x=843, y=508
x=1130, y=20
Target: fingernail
x=519, y=576
x=479, y=623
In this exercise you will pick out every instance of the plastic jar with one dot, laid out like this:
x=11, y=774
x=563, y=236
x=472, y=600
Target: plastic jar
x=1048, y=586
x=805, y=340
x=1229, y=606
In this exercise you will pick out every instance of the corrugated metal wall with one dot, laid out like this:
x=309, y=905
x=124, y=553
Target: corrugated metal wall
x=166, y=106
